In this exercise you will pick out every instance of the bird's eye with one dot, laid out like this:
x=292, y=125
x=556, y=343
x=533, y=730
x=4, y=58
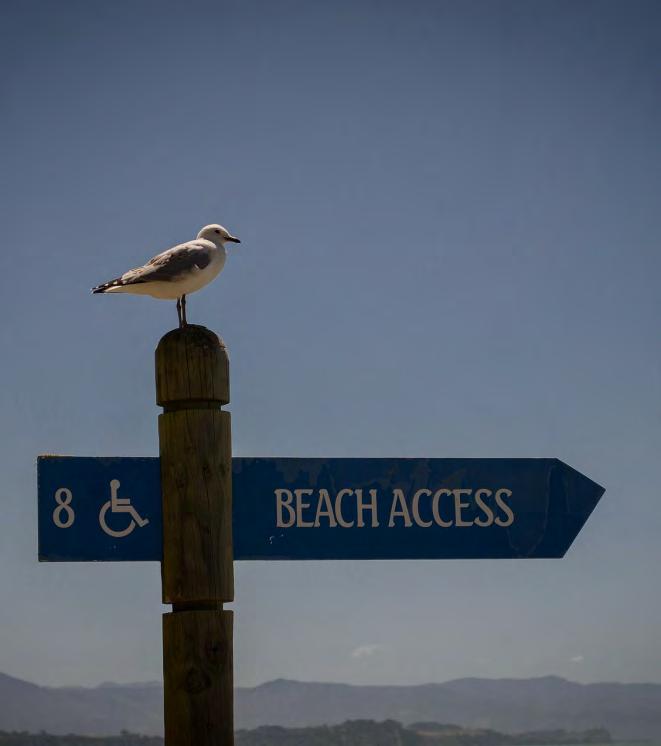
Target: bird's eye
x=217, y=231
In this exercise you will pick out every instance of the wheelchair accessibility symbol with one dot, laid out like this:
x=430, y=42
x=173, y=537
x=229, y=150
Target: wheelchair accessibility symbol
x=120, y=505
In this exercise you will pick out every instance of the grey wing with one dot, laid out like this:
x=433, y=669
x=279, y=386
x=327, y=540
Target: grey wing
x=171, y=264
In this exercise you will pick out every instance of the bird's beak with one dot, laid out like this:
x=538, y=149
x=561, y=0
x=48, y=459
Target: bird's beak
x=233, y=239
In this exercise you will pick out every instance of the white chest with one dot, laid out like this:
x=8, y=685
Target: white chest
x=198, y=278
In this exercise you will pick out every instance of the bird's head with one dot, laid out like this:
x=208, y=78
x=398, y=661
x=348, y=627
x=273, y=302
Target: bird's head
x=217, y=234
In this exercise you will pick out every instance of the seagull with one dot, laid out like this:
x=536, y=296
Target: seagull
x=175, y=273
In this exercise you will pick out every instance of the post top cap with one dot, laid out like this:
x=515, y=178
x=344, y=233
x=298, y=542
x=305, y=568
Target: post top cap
x=192, y=365
x=196, y=333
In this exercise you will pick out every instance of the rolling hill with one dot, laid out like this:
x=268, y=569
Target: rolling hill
x=508, y=705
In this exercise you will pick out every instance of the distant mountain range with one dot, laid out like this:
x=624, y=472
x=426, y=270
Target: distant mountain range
x=628, y=711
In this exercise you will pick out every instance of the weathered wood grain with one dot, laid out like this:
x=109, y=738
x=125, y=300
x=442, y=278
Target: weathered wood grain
x=192, y=383
x=192, y=365
x=198, y=686
x=196, y=482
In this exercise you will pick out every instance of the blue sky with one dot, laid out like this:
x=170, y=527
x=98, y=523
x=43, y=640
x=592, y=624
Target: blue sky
x=450, y=224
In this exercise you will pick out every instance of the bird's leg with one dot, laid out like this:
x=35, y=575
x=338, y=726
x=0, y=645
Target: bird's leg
x=183, y=309
x=179, y=312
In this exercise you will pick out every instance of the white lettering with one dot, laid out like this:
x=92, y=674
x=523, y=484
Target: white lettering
x=284, y=502
x=484, y=508
x=399, y=499
x=505, y=508
x=310, y=508
x=372, y=506
x=338, y=508
x=415, y=508
x=435, y=510
x=63, y=499
x=300, y=506
x=459, y=505
x=325, y=508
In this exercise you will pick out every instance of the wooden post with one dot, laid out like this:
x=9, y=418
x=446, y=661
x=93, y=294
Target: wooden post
x=192, y=383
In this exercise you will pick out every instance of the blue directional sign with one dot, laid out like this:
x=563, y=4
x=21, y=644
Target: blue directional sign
x=99, y=508
x=290, y=508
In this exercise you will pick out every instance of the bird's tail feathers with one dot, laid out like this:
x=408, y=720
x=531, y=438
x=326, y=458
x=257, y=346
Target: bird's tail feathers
x=109, y=287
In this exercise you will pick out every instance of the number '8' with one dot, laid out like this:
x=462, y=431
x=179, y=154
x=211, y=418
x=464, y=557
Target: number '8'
x=63, y=497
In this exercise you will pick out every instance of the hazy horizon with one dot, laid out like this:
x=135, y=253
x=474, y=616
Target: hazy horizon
x=159, y=682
